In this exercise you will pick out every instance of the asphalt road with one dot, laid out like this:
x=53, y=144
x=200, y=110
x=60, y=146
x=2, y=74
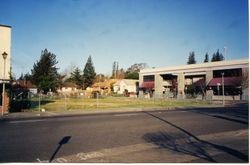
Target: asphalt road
x=187, y=135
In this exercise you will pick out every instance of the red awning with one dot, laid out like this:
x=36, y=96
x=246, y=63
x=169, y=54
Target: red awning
x=228, y=81
x=148, y=85
x=200, y=82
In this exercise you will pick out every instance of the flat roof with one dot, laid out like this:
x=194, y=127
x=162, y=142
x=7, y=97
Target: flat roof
x=5, y=25
x=197, y=67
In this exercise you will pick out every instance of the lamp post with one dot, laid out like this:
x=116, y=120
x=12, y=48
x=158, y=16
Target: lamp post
x=218, y=89
x=3, y=94
x=222, y=83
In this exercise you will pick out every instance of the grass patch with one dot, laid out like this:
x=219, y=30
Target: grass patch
x=59, y=104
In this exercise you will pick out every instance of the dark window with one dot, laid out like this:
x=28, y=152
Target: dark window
x=227, y=73
x=148, y=78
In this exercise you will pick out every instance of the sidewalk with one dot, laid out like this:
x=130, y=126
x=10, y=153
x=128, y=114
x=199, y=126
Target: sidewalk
x=65, y=113
x=181, y=150
x=68, y=113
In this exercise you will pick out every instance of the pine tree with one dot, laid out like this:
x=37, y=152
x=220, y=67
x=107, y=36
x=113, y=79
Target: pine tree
x=21, y=77
x=77, y=78
x=191, y=58
x=217, y=56
x=206, y=58
x=44, y=73
x=115, y=70
x=88, y=73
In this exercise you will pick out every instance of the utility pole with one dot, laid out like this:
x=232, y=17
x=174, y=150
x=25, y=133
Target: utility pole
x=222, y=83
x=97, y=93
x=39, y=102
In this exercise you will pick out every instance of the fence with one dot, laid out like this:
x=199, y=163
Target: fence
x=97, y=102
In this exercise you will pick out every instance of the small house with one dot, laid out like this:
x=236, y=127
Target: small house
x=126, y=86
x=67, y=88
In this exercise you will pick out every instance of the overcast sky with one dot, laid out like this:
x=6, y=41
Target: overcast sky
x=156, y=32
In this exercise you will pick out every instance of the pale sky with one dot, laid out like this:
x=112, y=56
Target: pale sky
x=156, y=32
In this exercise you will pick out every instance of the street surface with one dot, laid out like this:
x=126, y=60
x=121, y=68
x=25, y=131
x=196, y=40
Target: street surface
x=184, y=135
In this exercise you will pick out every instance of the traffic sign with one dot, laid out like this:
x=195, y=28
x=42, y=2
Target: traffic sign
x=4, y=81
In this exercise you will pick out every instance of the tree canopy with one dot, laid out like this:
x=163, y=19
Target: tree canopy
x=137, y=67
x=217, y=56
x=77, y=78
x=206, y=58
x=191, y=58
x=133, y=71
x=44, y=73
x=115, y=68
x=132, y=75
x=89, y=73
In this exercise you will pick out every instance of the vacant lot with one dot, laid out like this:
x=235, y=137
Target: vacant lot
x=55, y=104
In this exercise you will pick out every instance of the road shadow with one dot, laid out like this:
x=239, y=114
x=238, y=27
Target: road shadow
x=63, y=141
x=185, y=142
x=238, y=112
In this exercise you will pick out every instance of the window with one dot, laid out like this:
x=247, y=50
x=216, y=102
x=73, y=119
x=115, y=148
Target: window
x=148, y=78
x=227, y=73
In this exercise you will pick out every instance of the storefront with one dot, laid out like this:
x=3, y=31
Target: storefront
x=5, y=65
x=228, y=78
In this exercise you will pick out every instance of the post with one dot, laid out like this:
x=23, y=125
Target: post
x=223, y=98
x=39, y=102
x=3, y=98
x=158, y=86
x=97, y=93
x=181, y=86
x=218, y=89
x=3, y=95
x=97, y=100
x=65, y=101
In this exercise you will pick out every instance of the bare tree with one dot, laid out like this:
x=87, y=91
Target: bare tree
x=245, y=78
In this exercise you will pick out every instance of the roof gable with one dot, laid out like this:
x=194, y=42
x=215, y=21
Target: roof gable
x=128, y=82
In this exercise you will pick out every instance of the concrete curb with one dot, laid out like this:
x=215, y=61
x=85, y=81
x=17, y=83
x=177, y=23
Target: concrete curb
x=71, y=113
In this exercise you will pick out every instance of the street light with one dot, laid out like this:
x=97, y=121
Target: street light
x=4, y=58
x=3, y=94
x=222, y=83
x=218, y=89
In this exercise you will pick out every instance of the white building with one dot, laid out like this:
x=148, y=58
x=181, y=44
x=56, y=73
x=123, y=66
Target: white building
x=68, y=88
x=5, y=65
x=126, y=85
x=204, y=79
x=5, y=48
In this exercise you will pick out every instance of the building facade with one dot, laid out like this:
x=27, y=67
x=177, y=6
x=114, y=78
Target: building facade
x=206, y=80
x=5, y=64
x=5, y=47
x=126, y=85
x=68, y=88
